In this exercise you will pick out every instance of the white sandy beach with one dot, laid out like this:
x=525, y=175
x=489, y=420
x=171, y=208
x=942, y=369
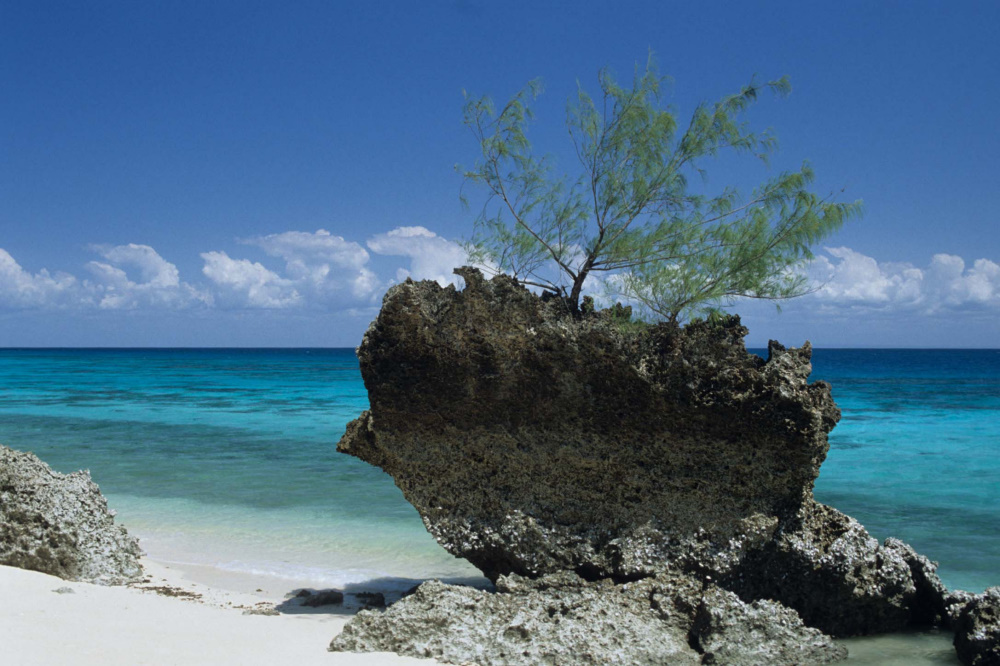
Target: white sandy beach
x=129, y=626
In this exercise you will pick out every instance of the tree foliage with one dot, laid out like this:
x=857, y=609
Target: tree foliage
x=631, y=213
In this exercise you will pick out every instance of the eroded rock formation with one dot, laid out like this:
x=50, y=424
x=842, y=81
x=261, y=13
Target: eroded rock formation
x=534, y=443
x=60, y=524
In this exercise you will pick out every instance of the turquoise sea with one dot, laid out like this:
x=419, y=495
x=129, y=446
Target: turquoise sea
x=226, y=457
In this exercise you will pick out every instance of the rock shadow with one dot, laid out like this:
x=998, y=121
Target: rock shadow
x=374, y=594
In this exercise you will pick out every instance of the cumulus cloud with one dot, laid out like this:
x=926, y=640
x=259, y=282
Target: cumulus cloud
x=303, y=250
x=322, y=268
x=154, y=270
x=244, y=283
x=156, y=283
x=21, y=289
x=431, y=256
x=846, y=278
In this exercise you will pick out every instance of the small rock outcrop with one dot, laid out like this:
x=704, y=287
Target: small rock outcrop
x=60, y=524
x=536, y=444
x=827, y=567
x=728, y=631
x=977, y=630
x=563, y=619
x=324, y=598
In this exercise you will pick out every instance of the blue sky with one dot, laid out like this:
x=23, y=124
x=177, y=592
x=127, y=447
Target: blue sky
x=258, y=173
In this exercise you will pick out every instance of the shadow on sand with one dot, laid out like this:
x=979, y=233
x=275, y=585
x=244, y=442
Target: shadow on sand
x=371, y=594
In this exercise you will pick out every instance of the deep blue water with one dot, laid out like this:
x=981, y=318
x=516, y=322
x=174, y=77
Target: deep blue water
x=227, y=457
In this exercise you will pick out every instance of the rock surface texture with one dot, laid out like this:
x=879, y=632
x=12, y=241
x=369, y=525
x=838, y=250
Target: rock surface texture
x=562, y=619
x=931, y=604
x=60, y=524
x=977, y=630
x=535, y=444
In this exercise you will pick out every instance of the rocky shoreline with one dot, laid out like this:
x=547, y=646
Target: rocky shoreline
x=637, y=494
x=657, y=475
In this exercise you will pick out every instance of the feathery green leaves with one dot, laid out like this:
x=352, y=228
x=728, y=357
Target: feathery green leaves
x=631, y=213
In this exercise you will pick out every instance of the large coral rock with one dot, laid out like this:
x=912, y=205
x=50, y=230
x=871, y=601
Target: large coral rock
x=564, y=620
x=535, y=443
x=531, y=443
x=977, y=630
x=60, y=524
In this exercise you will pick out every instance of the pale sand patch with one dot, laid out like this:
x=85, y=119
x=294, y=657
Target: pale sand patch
x=128, y=626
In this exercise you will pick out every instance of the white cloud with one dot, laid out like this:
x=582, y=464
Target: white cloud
x=154, y=270
x=244, y=283
x=431, y=256
x=157, y=283
x=366, y=284
x=325, y=268
x=311, y=249
x=320, y=271
x=21, y=289
x=853, y=280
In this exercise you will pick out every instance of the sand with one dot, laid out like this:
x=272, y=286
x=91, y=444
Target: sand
x=130, y=625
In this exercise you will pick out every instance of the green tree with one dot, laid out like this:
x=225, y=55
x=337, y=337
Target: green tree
x=631, y=214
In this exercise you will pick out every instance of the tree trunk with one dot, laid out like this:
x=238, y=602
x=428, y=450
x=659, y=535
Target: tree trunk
x=574, y=295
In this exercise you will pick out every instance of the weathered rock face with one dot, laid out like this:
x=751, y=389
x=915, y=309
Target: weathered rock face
x=977, y=630
x=954, y=604
x=534, y=443
x=826, y=566
x=728, y=631
x=562, y=619
x=60, y=524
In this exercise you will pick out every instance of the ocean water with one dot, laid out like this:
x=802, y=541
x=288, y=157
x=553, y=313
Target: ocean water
x=224, y=458
x=227, y=458
x=916, y=454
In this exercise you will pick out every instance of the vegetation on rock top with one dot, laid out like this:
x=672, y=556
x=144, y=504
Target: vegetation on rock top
x=631, y=214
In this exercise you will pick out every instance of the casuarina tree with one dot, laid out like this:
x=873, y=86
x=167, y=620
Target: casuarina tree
x=639, y=214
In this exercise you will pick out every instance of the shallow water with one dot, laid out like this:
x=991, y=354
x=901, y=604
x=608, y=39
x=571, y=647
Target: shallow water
x=224, y=458
x=227, y=458
x=914, y=648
